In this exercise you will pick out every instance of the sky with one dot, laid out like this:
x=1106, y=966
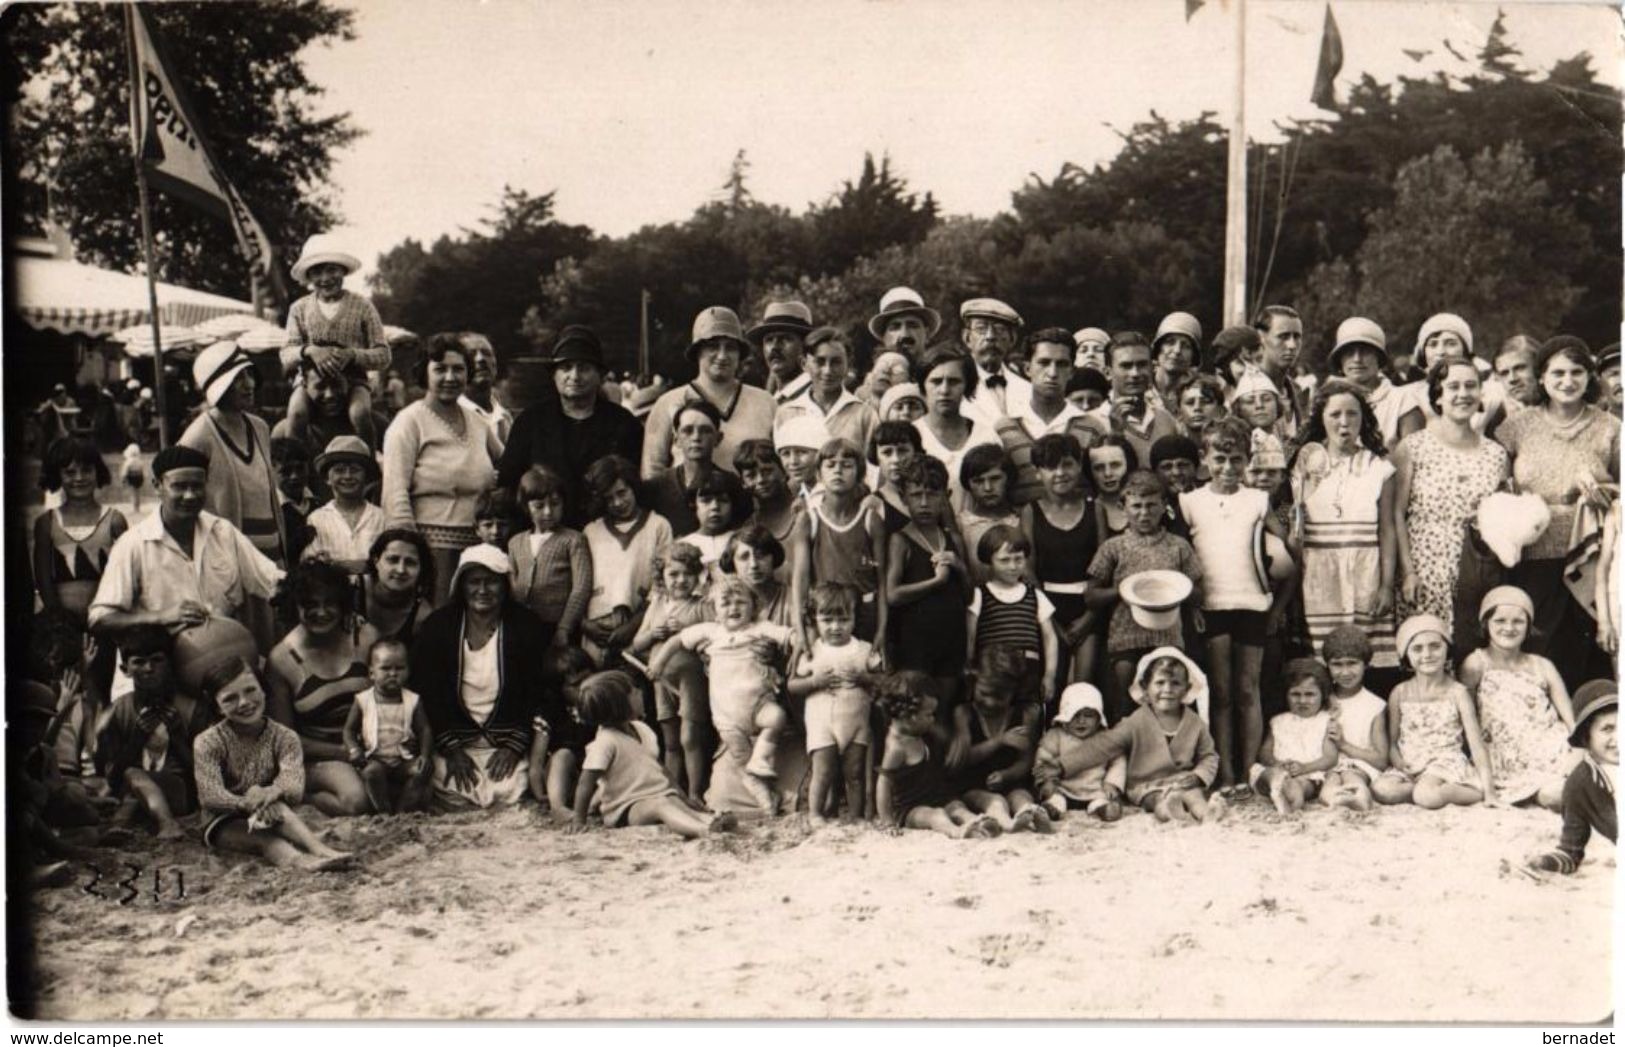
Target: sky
x=632, y=111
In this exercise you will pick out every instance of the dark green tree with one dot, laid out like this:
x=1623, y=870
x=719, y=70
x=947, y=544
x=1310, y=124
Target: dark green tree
x=866, y=216
x=240, y=65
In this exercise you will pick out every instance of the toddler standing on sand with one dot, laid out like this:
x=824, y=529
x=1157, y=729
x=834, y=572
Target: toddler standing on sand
x=387, y=734
x=834, y=677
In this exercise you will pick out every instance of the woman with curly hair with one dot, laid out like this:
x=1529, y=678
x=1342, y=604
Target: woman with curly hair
x=399, y=587
x=1343, y=485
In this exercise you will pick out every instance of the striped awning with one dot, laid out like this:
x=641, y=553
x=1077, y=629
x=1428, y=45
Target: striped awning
x=74, y=298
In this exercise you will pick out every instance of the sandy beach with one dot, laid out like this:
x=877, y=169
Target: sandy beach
x=1401, y=915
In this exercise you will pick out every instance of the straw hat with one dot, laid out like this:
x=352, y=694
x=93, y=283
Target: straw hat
x=904, y=301
x=322, y=249
x=346, y=449
x=793, y=317
x=1153, y=597
x=1271, y=561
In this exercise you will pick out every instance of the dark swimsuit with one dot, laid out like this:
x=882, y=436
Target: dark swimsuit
x=923, y=784
x=321, y=705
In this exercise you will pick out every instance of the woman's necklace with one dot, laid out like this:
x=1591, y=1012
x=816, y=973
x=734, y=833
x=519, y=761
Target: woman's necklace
x=1342, y=469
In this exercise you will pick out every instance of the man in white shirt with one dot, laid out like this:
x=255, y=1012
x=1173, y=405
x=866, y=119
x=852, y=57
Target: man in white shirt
x=1280, y=330
x=180, y=565
x=781, y=339
x=826, y=360
x=482, y=376
x=989, y=329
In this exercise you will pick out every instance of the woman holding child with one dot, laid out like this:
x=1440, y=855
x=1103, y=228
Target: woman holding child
x=476, y=666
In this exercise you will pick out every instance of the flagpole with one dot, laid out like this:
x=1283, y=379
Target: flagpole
x=146, y=230
x=1235, y=211
x=643, y=334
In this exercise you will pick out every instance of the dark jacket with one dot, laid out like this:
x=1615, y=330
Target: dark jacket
x=544, y=435
x=522, y=697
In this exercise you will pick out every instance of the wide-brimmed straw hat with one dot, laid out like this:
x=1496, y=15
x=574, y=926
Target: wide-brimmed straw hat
x=903, y=301
x=1153, y=597
x=322, y=249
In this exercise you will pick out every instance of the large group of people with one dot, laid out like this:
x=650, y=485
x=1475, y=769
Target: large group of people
x=999, y=577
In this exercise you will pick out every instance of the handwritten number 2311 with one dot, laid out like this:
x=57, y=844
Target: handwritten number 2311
x=129, y=890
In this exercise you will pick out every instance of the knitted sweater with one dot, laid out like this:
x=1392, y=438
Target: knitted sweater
x=431, y=476
x=227, y=765
x=1062, y=765
x=355, y=325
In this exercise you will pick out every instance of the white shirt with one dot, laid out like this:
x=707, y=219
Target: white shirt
x=1222, y=527
x=793, y=388
x=848, y=417
x=1036, y=427
x=336, y=539
x=481, y=678
x=993, y=404
x=499, y=418
x=148, y=571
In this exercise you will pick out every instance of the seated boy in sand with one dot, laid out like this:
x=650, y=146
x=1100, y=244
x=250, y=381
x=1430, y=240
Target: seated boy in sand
x=250, y=772
x=387, y=734
x=1589, y=794
x=144, y=749
x=914, y=791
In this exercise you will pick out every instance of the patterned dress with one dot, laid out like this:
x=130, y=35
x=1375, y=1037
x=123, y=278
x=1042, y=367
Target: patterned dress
x=1528, y=744
x=1431, y=737
x=1446, y=486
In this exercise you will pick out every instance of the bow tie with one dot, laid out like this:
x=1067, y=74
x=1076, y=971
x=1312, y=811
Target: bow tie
x=995, y=381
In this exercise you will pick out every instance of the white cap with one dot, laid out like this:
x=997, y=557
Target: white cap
x=1197, y=695
x=801, y=430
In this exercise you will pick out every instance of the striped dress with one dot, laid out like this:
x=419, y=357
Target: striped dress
x=1342, y=560
x=1014, y=623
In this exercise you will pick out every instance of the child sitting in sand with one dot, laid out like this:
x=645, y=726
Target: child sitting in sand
x=913, y=791
x=564, y=669
x=1589, y=794
x=990, y=754
x=387, y=734
x=1429, y=715
x=250, y=773
x=834, y=677
x=1299, y=750
x=622, y=765
x=1171, y=758
x=144, y=749
x=1064, y=781
x=1359, y=721
x=742, y=658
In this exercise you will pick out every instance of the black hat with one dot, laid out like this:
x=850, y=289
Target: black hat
x=1592, y=698
x=577, y=344
x=178, y=457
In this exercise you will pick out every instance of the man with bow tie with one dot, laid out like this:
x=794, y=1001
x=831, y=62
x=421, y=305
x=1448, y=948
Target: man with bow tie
x=989, y=329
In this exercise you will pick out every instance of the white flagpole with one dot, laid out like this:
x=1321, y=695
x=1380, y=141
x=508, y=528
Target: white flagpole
x=1235, y=211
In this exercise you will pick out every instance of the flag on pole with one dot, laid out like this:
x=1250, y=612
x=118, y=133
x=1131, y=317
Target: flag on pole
x=1331, y=63
x=171, y=147
x=1191, y=7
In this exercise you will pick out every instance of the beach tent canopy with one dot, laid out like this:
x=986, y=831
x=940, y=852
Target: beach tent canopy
x=53, y=294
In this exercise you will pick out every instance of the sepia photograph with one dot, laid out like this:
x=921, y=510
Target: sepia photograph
x=1090, y=511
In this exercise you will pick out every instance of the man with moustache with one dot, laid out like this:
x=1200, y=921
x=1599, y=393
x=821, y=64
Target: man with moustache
x=905, y=324
x=573, y=430
x=988, y=329
x=781, y=338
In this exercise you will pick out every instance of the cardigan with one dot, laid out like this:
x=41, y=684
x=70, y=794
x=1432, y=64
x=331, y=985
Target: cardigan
x=432, y=477
x=556, y=583
x=1151, y=753
x=522, y=700
x=545, y=435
